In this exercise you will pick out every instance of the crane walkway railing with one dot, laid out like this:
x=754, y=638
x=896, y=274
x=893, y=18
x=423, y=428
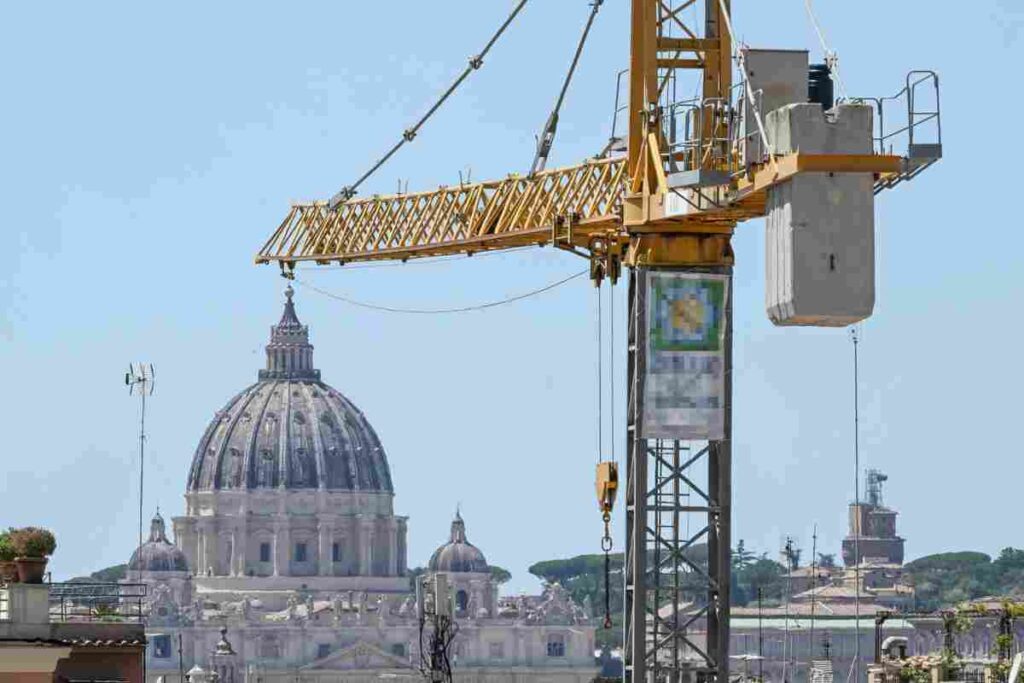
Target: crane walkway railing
x=917, y=133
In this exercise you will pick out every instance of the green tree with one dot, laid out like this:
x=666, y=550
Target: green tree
x=500, y=574
x=762, y=574
x=947, y=579
x=583, y=577
x=741, y=557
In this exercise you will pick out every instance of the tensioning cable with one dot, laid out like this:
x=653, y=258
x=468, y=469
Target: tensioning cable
x=409, y=134
x=547, y=136
x=441, y=311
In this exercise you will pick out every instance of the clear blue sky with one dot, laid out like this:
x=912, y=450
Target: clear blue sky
x=148, y=150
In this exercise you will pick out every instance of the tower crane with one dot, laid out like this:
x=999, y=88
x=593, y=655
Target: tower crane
x=664, y=202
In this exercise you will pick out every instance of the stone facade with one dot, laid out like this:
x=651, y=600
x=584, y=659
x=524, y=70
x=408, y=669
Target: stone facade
x=290, y=542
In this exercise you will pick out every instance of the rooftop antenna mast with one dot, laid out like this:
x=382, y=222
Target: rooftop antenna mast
x=855, y=669
x=140, y=377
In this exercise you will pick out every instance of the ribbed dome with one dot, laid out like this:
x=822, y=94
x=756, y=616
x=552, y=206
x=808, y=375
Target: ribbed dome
x=458, y=554
x=158, y=554
x=290, y=430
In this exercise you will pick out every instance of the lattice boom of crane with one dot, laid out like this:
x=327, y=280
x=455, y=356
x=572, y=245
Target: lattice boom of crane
x=470, y=217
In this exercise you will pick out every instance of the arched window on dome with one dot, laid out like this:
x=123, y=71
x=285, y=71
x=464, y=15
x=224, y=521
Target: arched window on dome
x=461, y=601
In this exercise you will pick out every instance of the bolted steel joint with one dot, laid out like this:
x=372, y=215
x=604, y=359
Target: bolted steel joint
x=344, y=194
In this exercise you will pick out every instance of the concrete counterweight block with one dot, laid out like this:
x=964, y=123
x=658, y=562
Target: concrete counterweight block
x=820, y=245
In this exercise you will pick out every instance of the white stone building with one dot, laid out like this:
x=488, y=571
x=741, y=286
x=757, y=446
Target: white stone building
x=290, y=541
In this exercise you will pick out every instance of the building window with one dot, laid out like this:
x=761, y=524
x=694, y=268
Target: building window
x=264, y=552
x=300, y=552
x=398, y=650
x=269, y=648
x=322, y=650
x=461, y=601
x=336, y=552
x=556, y=646
x=161, y=646
x=496, y=650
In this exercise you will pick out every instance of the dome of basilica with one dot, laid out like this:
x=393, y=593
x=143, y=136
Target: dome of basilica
x=458, y=554
x=158, y=554
x=289, y=430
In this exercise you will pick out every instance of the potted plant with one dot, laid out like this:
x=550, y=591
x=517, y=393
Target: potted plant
x=32, y=547
x=8, y=569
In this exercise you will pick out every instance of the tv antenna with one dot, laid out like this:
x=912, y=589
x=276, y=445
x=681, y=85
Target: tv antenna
x=140, y=378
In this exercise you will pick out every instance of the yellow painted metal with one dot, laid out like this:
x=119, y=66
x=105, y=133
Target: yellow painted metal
x=585, y=207
x=613, y=210
x=467, y=218
x=787, y=166
x=607, y=485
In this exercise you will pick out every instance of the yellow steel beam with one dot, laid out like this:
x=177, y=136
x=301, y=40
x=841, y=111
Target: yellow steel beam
x=465, y=218
x=687, y=45
x=676, y=63
x=643, y=79
x=594, y=198
x=787, y=166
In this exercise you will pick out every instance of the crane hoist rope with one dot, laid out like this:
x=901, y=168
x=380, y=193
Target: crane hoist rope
x=409, y=134
x=607, y=475
x=547, y=136
x=600, y=376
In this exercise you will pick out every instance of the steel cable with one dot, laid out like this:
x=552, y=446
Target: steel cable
x=547, y=136
x=475, y=62
x=831, y=58
x=600, y=380
x=750, y=93
x=441, y=311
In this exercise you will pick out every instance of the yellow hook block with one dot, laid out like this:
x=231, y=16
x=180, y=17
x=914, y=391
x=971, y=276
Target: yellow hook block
x=607, y=485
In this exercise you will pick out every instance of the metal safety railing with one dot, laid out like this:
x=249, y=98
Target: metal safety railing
x=908, y=124
x=719, y=134
x=699, y=133
x=725, y=135
x=615, y=142
x=87, y=602
x=748, y=143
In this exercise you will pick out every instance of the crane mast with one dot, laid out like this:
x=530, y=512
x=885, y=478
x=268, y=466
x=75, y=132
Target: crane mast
x=666, y=210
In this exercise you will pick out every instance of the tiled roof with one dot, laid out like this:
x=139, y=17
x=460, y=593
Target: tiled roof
x=89, y=642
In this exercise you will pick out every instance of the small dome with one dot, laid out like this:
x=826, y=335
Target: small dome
x=458, y=554
x=158, y=554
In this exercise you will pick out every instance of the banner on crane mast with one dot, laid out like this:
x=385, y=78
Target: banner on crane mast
x=684, y=383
